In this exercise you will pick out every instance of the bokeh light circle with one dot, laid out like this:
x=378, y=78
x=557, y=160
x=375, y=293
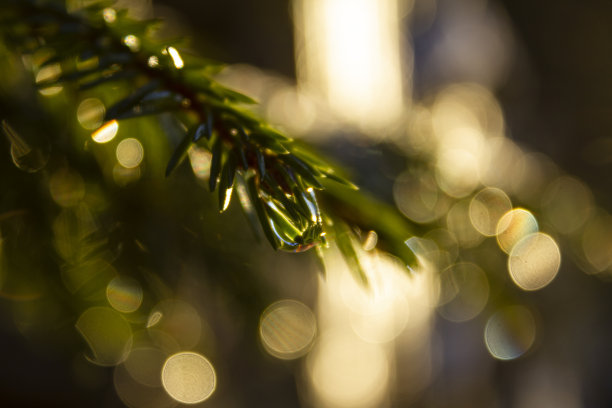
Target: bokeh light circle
x=534, y=261
x=510, y=332
x=124, y=294
x=90, y=113
x=514, y=226
x=487, y=207
x=189, y=377
x=130, y=153
x=287, y=329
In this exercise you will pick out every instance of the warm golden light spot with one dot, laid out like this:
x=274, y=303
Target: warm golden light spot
x=486, y=208
x=179, y=320
x=90, y=113
x=370, y=242
x=567, y=204
x=108, y=334
x=503, y=164
x=109, y=14
x=287, y=329
x=379, y=313
x=106, y=133
x=124, y=294
x=189, y=377
x=130, y=153
x=510, y=332
x=200, y=162
x=292, y=109
x=346, y=372
x=348, y=52
x=228, y=198
x=534, y=261
x=49, y=73
x=176, y=58
x=466, y=105
x=132, y=42
x=153, y=61
x=458, y=160
x=514, y=226
x=67, y=188
x=464, y=291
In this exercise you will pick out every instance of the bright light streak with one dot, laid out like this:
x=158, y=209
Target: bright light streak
x=106, y=133
x=351, y=55
x=176, y=58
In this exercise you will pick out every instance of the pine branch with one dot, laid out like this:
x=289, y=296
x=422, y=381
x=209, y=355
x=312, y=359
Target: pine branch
x=280, y=177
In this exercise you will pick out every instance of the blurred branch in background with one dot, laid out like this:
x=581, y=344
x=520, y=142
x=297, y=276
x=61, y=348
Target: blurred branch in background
x=429, y=103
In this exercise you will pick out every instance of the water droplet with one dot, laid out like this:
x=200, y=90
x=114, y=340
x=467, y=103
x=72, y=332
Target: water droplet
x=25, y=155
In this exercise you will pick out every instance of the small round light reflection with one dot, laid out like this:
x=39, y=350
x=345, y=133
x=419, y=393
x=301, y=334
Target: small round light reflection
x=514, y=226
x=510, y=332
x=130, y=153
x=124, y=294
x=109, y=15
x=132, y=42
x=189, y=377
x=486, y=208
x=287, y=329
x=534, y=261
